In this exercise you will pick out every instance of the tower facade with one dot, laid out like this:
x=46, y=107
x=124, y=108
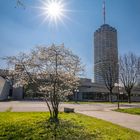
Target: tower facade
x=105, y=53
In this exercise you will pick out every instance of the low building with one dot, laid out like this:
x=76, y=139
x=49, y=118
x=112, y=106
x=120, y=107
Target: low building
x=7, y=89
x=4, y=88
x=89, y=91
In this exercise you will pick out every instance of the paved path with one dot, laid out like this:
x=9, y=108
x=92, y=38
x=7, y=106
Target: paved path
x=123, y=119
x=21, y=106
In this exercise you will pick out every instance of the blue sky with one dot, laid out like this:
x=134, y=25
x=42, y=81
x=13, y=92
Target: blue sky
x=21, y=30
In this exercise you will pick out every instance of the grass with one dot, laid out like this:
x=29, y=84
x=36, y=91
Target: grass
x=135, y=111
x=34, y=126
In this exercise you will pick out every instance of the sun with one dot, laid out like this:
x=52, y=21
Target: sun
x=53, y=11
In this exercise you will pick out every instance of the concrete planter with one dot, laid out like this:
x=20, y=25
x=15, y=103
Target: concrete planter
x=69, y=110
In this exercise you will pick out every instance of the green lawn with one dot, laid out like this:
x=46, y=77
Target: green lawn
x=135, y=111
x=34, y=126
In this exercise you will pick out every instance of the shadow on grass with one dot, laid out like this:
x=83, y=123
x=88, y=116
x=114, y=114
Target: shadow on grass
x=67, y=130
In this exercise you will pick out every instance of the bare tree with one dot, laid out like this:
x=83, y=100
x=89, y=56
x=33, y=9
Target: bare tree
x=56, y=72
x=129, y=72
x=109, y=71
x=19, y=3
x=109, y=75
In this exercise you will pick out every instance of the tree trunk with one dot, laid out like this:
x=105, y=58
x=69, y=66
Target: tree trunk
x=48, y=107
x=110, y=96
x=55, y=115
x=129, y=97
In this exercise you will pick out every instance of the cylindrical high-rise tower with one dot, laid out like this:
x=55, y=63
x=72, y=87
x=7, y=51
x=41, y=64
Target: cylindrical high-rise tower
x=105, y=51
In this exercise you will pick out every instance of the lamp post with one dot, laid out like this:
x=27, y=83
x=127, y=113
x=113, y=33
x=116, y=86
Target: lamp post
x=117, y=85
x=121, y=93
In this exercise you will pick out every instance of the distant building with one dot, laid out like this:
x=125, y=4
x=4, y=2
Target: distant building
x=4, y=88
x=8, y=88
x=105, y=51
x=89, y=91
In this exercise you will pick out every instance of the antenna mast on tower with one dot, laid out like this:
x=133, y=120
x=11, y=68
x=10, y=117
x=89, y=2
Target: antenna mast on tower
x=104, y=11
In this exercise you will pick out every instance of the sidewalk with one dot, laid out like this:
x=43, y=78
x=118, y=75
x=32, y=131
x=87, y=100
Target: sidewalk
x=122, y=119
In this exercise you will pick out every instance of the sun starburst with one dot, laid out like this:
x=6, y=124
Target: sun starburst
x=54, y=11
